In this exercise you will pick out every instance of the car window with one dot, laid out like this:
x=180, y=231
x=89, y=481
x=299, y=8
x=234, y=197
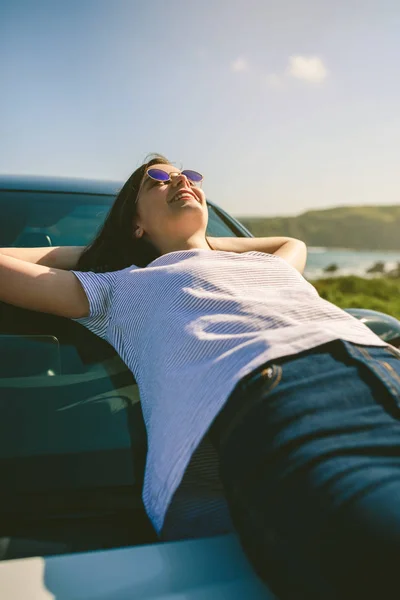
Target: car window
x=34, y=218
x=216, y=226
x=56, y=219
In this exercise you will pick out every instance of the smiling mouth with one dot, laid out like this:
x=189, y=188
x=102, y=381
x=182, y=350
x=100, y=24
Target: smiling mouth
x=183, y=196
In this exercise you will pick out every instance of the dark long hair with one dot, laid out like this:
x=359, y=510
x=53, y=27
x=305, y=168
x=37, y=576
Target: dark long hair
x=115, y=247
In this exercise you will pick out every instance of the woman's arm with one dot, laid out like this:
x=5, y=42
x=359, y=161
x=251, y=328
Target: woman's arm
x=58, y=257
x=40, y=288
x=292, y=250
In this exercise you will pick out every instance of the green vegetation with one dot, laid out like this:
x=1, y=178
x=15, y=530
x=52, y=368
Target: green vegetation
x=353, y=227
x=379, y=293
x=356, y=227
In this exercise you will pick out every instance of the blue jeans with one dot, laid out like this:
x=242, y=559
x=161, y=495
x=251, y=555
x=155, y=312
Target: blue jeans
x=309, y=450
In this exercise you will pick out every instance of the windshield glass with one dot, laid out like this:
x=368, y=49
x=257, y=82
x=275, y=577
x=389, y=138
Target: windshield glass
x=51, y=219
x=36, y=219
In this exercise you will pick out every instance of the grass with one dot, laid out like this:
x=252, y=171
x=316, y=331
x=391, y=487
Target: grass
x=378, y=293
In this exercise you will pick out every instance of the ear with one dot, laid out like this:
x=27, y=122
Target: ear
x=137, y=230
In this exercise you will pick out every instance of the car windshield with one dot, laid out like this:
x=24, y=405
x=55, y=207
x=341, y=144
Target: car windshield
x=54, y=219
x=37, y=219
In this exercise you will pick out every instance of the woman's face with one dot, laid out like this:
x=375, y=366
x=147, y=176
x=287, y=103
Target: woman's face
x=172, y=214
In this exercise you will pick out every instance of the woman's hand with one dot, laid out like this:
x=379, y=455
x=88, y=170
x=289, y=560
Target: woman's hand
x=290, y=249
x=57, y=257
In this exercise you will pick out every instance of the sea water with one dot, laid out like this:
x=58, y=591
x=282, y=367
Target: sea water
x=349, y=262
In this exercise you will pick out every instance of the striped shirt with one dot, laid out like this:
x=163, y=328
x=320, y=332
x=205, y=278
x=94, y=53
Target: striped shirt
x=189, y=326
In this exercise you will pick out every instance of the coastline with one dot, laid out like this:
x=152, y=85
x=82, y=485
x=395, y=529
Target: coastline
x=334, y=262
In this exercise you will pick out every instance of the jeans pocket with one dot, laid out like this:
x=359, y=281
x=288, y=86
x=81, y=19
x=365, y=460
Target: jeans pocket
x=384, y=363
x=252, y=391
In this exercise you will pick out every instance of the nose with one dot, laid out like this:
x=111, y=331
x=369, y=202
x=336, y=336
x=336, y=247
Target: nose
x=178, y=178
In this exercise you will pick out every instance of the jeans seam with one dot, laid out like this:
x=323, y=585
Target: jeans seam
x=391, y=371
x=365, y=353
x=379, y=368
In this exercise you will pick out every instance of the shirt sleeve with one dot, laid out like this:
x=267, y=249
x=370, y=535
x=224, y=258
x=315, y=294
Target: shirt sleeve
x=99, y=289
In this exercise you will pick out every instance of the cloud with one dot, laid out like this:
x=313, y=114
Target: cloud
x=308, y=68
x=240, y=64
x=274, y=81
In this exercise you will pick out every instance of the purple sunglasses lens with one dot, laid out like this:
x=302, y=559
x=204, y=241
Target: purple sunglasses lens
x=193, y=176
x=158, y=174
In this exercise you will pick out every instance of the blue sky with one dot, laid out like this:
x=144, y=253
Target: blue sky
x=284, y=105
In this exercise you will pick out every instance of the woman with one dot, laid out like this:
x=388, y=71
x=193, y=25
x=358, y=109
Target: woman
x=226, y=338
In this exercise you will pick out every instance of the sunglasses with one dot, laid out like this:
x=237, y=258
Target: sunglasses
x=160, y=175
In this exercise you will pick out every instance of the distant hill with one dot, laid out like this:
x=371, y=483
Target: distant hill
x=356, y=227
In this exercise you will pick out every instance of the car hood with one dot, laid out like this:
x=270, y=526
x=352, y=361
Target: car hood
x=191, y=570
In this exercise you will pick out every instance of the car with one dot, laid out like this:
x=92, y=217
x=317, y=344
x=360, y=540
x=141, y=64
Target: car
x=72, y=436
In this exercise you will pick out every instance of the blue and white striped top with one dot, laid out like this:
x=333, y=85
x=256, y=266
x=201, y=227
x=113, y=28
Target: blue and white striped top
x=190, y=325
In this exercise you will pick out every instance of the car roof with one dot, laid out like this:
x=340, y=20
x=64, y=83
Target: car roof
x=35, y=183
x=67, y=185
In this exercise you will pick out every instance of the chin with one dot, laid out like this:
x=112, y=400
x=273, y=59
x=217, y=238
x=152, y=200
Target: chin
x=188, y=225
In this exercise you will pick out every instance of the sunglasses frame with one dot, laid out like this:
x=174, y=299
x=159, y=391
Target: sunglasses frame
x=196, y=183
